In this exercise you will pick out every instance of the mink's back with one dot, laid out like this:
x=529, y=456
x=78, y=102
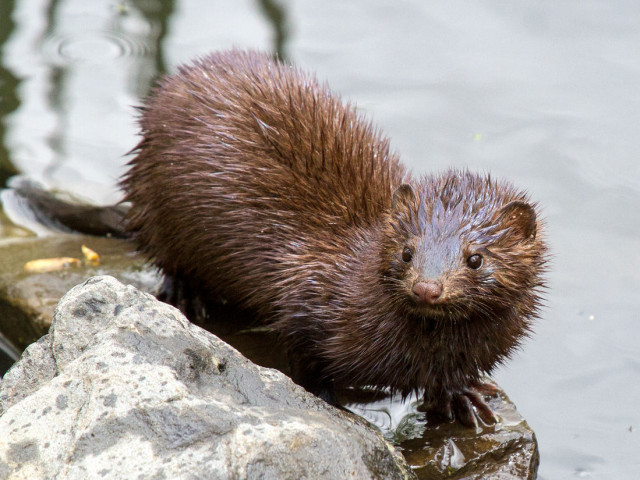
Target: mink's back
x=248, y=168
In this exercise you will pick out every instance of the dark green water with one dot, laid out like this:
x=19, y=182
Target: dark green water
x=543, y=93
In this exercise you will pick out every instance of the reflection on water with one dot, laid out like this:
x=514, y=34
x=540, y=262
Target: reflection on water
x=8, y=84
x=277, y=16
x=8, y=354
x=78, y=64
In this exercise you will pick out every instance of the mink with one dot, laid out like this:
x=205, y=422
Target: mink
x=258, y=184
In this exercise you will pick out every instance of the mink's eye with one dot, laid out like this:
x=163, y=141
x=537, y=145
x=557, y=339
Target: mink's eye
x=407, y=255
x=475, y=261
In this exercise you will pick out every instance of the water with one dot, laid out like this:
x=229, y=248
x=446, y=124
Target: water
x=543, y=93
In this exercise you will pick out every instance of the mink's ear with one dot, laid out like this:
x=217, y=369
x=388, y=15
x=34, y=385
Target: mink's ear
x=520, y=217
x=403, y=196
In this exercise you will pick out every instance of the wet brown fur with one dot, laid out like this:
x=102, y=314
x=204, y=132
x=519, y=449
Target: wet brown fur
x=259, y=184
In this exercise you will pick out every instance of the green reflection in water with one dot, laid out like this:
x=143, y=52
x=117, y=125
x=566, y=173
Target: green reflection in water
x=157, y=14
x=8, y=87
x=277, y=17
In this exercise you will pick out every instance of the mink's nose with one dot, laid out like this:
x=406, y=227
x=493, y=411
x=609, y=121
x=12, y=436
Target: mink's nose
x=427, y=292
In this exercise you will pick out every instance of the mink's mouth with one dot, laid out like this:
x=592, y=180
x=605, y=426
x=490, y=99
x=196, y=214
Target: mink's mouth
x=437, y=312
x=445, y=311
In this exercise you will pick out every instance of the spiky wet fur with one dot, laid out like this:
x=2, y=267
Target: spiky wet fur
x=258, y=184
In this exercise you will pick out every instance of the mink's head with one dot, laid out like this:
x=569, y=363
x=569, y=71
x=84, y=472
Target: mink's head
x=461, y=246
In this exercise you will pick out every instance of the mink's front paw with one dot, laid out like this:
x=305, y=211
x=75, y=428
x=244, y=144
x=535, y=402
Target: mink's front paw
x=467, y=405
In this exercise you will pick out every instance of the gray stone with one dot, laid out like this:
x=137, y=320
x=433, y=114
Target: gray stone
x=125, y=387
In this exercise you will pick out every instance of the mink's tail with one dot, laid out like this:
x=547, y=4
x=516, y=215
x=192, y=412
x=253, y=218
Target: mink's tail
x=28, y=204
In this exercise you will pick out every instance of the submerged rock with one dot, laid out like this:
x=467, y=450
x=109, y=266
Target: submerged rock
x=124, y=386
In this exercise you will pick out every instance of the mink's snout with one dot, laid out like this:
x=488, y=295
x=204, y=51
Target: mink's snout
x=429, y=291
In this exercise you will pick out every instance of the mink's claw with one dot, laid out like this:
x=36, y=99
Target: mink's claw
x=463, y=408
x=468, y=405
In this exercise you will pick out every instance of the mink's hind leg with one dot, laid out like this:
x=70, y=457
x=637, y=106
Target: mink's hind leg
x=310, y=376
x=177, y=291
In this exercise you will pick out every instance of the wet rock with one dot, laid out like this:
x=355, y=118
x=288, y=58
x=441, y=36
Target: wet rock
x=124, y=386
x=28, y=300
x=437, y=449
x=507, y=450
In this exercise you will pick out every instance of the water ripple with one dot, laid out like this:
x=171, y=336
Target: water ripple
x=92, y=47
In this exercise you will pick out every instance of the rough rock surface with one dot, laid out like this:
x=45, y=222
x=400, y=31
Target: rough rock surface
x=124, y=386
